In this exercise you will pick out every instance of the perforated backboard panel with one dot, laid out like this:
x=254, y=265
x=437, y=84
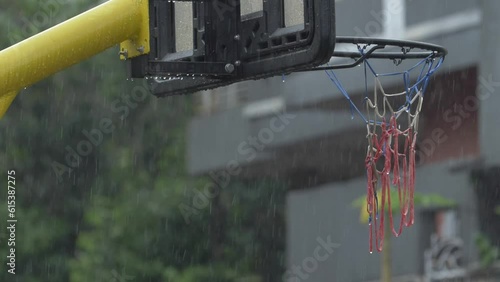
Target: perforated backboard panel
x=206, y=44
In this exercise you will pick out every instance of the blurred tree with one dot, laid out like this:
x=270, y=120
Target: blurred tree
x=115, y=211
x=485, y=182
x=142, y=231
x=34, y=134
x=488, y=253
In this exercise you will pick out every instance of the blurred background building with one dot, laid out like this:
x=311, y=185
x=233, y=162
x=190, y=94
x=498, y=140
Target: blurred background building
x=298, y=129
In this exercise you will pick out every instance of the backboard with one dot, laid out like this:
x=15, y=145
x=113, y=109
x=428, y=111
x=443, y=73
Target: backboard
x=198, y=45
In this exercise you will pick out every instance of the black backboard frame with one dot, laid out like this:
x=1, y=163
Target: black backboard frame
x=229, y=47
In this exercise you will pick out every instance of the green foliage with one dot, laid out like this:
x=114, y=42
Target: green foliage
x=216, y=273
x=433, y=200
x=497, y=210
x=488, y=253
x=143, y=231
x=32, y=135
x=118, y=209
x=420, y=200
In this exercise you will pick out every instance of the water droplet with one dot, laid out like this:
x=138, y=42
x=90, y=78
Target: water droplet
x=371, y=252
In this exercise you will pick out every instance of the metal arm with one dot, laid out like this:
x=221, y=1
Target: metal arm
x=73, y=41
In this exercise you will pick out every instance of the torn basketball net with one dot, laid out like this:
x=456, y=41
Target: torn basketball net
x=392, y=133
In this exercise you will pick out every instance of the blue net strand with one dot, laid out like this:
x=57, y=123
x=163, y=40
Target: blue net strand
x=422, y=71
x=406, y=75
x=426, y=67
x=366, y=80
x=336, y=81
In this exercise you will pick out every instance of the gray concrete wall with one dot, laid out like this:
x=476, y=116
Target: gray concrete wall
x=419, y=11
x=355, y=13
x=327, y=211
x=219, y=139
x=490, y=78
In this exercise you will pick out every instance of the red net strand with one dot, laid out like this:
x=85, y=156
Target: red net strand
x=386, y=148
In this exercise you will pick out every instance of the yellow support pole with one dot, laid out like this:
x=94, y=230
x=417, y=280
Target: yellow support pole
x=73, y=41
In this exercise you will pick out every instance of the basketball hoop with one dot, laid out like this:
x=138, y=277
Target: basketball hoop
x=390, y=118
